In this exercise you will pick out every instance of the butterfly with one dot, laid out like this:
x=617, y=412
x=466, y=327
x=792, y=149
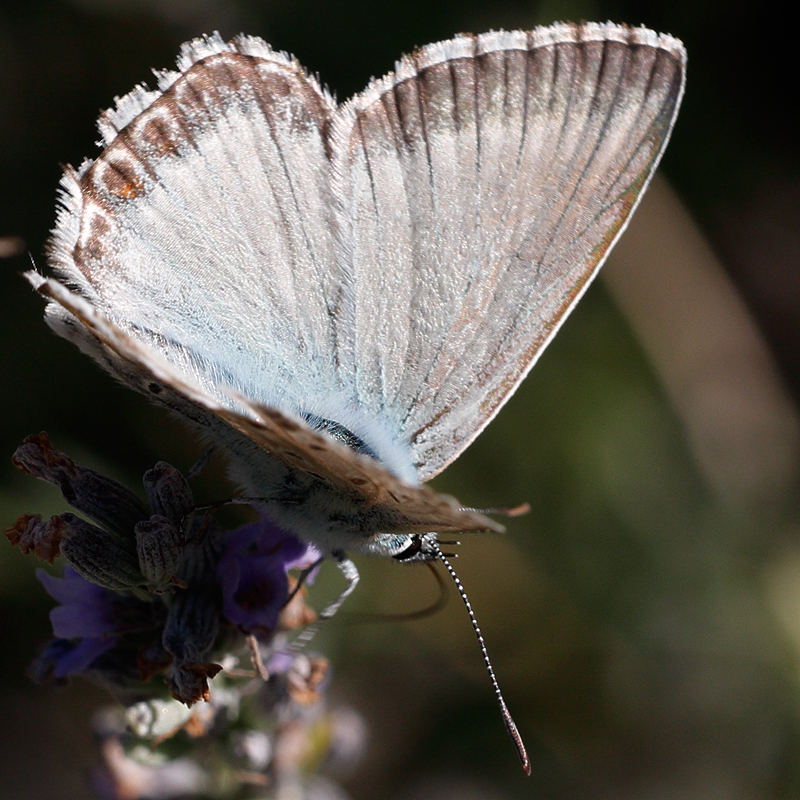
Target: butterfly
x=343, y=296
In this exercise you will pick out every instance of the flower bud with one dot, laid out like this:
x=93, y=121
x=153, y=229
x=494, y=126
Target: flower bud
x=103, y=499
x=33, y=535
x=192, y=625
x=188, y=682
x=305, y=677
x=99, y=556
x=168, y=493
x=152, y=719
x=159, y=547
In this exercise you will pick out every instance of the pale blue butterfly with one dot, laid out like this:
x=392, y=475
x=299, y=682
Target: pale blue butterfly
x=343, y=296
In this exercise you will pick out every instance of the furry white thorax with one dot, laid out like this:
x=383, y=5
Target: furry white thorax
x=312, y=510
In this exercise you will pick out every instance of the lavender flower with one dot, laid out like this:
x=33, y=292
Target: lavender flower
x=154, y=603
x=85, y=614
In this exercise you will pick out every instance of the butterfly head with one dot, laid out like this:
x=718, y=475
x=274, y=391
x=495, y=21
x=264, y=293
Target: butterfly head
x=418, y=547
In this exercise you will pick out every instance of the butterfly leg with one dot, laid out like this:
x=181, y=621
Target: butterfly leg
x=351, y=575
x=255, y=657
x=302, y=579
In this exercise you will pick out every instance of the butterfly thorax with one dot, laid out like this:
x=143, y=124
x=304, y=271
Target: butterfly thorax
x=321, y=514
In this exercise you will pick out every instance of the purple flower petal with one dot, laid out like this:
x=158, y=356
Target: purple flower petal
x=80, y=657
x=279, y=662
x=306, y=559
x=252, y=572
x=85, y=610
x=85, y=613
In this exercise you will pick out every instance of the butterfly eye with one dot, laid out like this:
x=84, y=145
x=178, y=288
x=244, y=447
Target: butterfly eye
x=421, y=547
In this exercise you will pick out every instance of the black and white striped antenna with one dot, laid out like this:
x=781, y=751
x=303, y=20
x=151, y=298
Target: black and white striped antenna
x=511, y=726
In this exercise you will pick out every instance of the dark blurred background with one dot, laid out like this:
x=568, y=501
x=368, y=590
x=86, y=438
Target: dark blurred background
x=644, y=618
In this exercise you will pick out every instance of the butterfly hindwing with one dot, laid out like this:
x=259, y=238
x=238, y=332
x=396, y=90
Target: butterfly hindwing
x=255, y=433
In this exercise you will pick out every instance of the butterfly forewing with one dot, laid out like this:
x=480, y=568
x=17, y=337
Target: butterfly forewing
x=486, y=181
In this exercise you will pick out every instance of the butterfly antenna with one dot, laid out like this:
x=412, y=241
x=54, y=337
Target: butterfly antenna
x=507, y=719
